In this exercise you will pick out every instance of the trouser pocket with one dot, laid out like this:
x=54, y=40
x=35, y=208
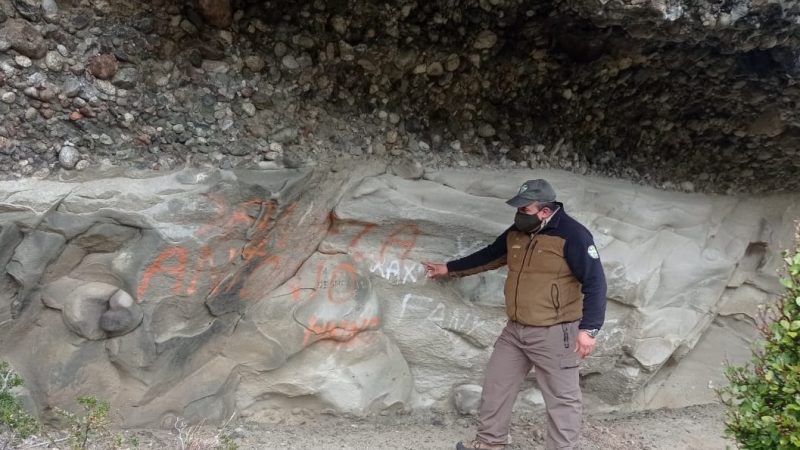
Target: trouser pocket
x=569, y=361
x=569, y=333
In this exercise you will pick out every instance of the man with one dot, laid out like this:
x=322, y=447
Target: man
x=555, y=296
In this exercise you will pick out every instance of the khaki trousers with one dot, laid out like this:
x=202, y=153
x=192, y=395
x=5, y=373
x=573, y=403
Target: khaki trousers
x=551, y=351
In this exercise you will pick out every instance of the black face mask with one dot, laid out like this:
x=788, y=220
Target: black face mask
x=527, y=223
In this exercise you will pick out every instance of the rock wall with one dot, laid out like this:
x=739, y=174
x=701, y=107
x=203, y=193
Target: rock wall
x=200, y=293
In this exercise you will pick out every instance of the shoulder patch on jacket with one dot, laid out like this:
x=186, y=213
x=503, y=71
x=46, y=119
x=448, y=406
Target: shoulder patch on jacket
x=592, y=250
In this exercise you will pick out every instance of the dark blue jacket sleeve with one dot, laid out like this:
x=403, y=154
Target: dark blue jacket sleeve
x=490, y=257
x=584, y=261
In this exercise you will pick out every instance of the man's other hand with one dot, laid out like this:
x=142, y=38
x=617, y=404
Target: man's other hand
x=434, y=270
x=585, y=344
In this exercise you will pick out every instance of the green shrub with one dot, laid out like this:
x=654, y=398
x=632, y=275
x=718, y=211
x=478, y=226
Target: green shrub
x=83, y=430
x=763, y=398
x=226, y=442
x=13, y=417
x=92, y=426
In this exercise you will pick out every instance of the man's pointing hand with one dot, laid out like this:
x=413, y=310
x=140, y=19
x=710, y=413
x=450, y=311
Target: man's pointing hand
x=434, y=270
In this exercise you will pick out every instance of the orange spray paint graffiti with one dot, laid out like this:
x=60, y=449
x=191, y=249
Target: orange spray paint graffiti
x=255, y=216
x=158, y=266
x=172, y=262
x=403, y=237
x=340, y=330
x=206, y=258
x=229, y=219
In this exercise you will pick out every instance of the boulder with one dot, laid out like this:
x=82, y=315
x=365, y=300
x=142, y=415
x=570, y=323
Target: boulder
x=24, y=38
x=217, y=13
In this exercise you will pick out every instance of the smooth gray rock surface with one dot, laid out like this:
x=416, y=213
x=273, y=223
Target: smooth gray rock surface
x=203, y=293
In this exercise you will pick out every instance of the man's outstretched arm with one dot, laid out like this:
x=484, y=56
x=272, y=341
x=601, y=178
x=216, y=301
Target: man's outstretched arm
x=488, y=258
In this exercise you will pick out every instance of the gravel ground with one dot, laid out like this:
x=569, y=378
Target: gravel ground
x=697, y=427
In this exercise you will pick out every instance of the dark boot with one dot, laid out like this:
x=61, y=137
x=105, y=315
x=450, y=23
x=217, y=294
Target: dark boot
x=476, y=444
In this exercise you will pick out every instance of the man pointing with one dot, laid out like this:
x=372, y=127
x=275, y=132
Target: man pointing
x=555, y=297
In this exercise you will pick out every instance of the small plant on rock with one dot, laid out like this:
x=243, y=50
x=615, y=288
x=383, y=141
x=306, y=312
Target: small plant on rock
x=763, y=399
x=89, y=429
x=14, y=420
x=92, y=426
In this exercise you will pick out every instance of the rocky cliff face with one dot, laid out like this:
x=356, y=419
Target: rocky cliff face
x=213, y=206
x=680, y=95
x=199, y=294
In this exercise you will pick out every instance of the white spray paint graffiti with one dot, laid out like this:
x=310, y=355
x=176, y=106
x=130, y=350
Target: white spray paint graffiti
x=399, y=272
x=438, y=314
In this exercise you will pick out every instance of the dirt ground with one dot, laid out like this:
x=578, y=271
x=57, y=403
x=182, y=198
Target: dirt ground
x=692, y=428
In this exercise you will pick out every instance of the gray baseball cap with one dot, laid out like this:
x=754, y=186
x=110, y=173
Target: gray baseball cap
x=533, y=191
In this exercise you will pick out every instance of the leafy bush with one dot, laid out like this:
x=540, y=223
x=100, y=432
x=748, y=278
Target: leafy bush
x=763, y=398
x=88, y=429
x=13, y=417
x=91, y=426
